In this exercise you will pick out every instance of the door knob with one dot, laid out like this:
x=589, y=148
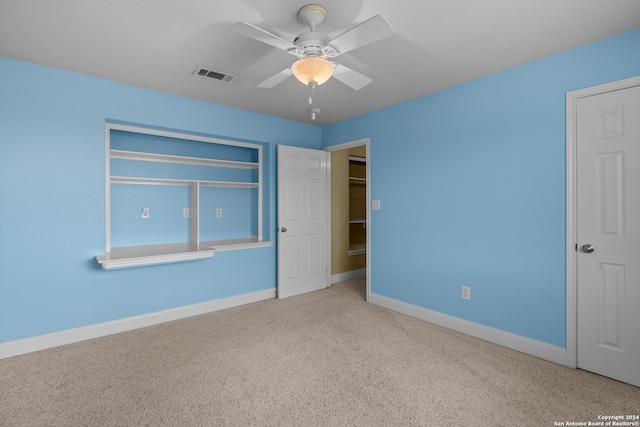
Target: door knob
x=587, y=248
x=283, y=229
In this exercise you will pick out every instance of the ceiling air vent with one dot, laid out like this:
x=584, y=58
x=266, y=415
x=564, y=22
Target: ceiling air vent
x=214, y=75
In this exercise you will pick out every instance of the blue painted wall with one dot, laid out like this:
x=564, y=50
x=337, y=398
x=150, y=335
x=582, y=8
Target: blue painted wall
x=52, y=201
x=472, y=187
x=471, y=179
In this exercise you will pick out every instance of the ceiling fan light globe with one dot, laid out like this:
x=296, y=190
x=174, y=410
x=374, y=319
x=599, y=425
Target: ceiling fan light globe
x=309, y=70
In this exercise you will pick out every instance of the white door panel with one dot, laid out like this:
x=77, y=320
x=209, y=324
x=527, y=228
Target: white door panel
x=302, y=222
x=608, y=206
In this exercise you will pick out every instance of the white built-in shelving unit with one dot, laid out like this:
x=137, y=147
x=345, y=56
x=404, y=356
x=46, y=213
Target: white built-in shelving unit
x=194, y=248
x=357, y=205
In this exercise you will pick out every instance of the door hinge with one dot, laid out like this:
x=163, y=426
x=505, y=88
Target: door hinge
x=576, y=247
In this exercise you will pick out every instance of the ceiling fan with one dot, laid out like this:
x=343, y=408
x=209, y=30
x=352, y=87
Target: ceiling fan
x=315, y=50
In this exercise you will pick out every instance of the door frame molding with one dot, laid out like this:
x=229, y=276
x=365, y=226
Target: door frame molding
x=571, y=208
x=339, y=147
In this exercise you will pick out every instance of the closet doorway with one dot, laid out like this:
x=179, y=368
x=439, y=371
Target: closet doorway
x=349, y=212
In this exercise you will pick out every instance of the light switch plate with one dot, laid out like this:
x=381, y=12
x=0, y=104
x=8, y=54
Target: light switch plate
x=375, y=205
x=145, y=213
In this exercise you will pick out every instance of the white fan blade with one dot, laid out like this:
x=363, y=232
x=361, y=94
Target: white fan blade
x=351, y=78
x=371, y=30
x=278, y=78
x=259, y=34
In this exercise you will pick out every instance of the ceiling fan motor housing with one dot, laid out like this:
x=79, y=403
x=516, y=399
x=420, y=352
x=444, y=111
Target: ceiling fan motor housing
x=312, y=43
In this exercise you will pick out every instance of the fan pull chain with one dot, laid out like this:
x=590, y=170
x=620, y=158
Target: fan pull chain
x=313, y=85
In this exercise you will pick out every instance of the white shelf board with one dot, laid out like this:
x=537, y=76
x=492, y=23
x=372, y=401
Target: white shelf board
x=236, y=244
x=357, y=252
x=180, y=182
x=228, y=184
x=358, y=159
x=357, y=249
x=357, y=221
x=168, y=158
x=135, y=256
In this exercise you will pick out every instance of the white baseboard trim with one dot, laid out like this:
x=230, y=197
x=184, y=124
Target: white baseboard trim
x=348, y=275
x=529, y=346
x=70, y=336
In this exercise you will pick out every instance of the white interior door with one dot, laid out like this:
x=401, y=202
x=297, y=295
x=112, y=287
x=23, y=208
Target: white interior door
x=302, y=220
x=608, y=221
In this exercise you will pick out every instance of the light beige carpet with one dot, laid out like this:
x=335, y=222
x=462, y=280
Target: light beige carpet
x=322, y=359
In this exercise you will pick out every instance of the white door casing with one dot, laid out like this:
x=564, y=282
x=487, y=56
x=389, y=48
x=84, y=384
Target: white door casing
x=345, y=146
x=302, y=220
x=603, y=286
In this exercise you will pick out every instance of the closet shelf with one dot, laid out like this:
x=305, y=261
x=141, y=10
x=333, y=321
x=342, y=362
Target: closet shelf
x=357, y=249
x=357, y=221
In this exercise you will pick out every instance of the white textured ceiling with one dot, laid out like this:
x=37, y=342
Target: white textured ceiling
x=158, y=44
